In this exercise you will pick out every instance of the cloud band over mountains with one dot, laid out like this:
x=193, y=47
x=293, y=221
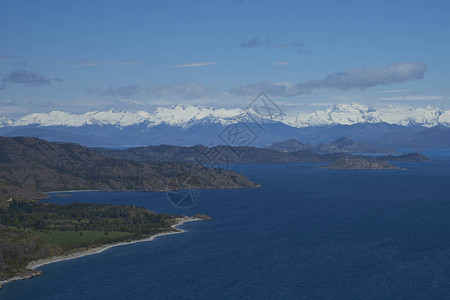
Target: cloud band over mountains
x=175, y=91
x=359, y=78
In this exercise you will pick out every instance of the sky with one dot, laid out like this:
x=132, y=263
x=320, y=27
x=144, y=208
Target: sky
x=79, y=56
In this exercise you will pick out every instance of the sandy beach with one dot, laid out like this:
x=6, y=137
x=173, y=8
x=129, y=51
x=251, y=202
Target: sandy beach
x=41, y=262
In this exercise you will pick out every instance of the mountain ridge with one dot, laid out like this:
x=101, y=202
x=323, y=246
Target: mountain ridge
x=188, y=126
x=186, y=116
x=224, y=155
x=30, y=167
x=345, y=144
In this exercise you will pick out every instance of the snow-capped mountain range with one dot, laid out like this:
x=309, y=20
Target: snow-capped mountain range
x=186, y=116
x=354, y=114
x=177, y=115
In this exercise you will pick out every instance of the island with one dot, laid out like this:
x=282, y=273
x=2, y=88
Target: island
x=360, y=164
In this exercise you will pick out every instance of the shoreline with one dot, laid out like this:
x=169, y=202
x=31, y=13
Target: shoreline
x=46, y=261
x=72, y=191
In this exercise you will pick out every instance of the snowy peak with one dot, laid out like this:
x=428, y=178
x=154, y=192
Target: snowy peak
x=60, y=118
x=187, y=116
x=3, y=122
x=343, y=114
x=180, y=115
x=355, y=113
x=177, y=115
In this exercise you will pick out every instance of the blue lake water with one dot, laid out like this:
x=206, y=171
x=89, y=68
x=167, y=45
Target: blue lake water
x=309, y=233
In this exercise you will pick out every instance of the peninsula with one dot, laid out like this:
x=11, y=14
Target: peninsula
x=31, y=230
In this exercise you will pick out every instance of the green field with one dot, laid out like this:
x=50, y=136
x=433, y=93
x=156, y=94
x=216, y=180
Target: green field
x=61, y=238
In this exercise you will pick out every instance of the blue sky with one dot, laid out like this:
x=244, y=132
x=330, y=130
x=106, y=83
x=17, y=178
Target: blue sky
x=85, y=55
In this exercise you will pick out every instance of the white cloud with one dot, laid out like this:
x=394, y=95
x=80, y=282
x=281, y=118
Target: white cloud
x=93, y=63
x=358, y=78
x=412, y=98
x=195, y=64
x=132, y=101
x=395, y=91
x=89, y=63
x=126, y=63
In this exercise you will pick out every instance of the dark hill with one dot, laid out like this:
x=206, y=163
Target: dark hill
x=226, y=154
x=290, y=145
x=30, y=166
x=348, y=145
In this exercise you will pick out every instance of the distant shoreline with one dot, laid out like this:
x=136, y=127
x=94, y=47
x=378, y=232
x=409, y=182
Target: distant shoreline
x=42, y=262
x=72, y=191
